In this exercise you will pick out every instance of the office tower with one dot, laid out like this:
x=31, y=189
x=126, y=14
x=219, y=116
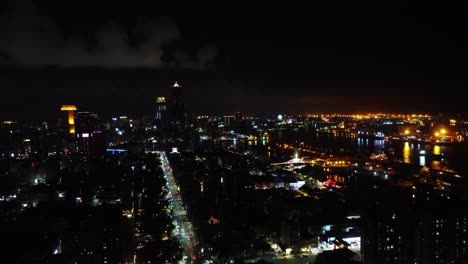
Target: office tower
x=160, y=108
x=70, y=110
x=91, y=139
x=177, y=104
x=228, y=121
x=427, y=230
x=86, y=122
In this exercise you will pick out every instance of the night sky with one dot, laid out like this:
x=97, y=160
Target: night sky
x=115, y=57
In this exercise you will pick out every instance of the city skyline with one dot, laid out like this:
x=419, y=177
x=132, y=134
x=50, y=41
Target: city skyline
x=234, y=188
x=44, y=107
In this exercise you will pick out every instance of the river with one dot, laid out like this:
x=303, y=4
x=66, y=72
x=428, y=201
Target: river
x=452, y=157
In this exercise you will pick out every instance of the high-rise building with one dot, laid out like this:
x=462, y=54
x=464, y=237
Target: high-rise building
x=228, y=121
x=202, y=123
x=177, y=104
x=90, y=137
x=387, y=237
x=441, y=234
x=160, y=108
x=396, y=230
x=86, y=122
x=70, y=110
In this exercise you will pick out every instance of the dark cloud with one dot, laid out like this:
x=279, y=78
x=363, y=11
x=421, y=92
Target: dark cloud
x=29, y=39
x=203, y=59
x=112, y=58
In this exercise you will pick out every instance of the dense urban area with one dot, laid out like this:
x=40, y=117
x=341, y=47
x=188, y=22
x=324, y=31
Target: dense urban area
x=180, y=187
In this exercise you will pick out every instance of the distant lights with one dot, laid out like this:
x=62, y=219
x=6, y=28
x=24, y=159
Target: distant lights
x=280, y=117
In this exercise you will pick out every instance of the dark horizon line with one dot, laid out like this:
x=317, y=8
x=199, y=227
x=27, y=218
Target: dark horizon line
x=249, y=114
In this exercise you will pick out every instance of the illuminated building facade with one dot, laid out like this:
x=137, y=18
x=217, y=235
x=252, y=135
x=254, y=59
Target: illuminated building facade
x=70, y=110
x=161, y=108
x=228, y=121
x=91, y=139
x=442, y=237
x=387, y=236
x=430, y=231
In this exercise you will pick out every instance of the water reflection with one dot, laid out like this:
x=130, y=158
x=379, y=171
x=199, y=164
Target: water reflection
x=435, y=164
x=362, y=145
x=379, y=145
x=406, y=153
x=434, y=156
x=422, y=160
x=436, y=150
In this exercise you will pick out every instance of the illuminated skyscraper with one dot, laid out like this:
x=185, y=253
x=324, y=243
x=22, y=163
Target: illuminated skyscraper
x=401, y=228
x=160, y=108
x=70, y=109
x=228, y=121
x=178, y=111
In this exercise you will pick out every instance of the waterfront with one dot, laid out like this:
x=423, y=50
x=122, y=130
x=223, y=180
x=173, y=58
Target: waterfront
x=449, y=157
x=439, y=157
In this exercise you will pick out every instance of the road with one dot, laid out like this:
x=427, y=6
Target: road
x=184, y=229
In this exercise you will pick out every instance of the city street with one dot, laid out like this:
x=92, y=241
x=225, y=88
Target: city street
x=184, y=229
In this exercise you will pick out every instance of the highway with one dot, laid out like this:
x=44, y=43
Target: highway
x=184, y=229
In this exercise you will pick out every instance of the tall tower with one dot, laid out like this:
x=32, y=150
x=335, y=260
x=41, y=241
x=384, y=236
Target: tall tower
x=160, y=108
x=90, y=138
x=178, y=111
x=70, y=109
